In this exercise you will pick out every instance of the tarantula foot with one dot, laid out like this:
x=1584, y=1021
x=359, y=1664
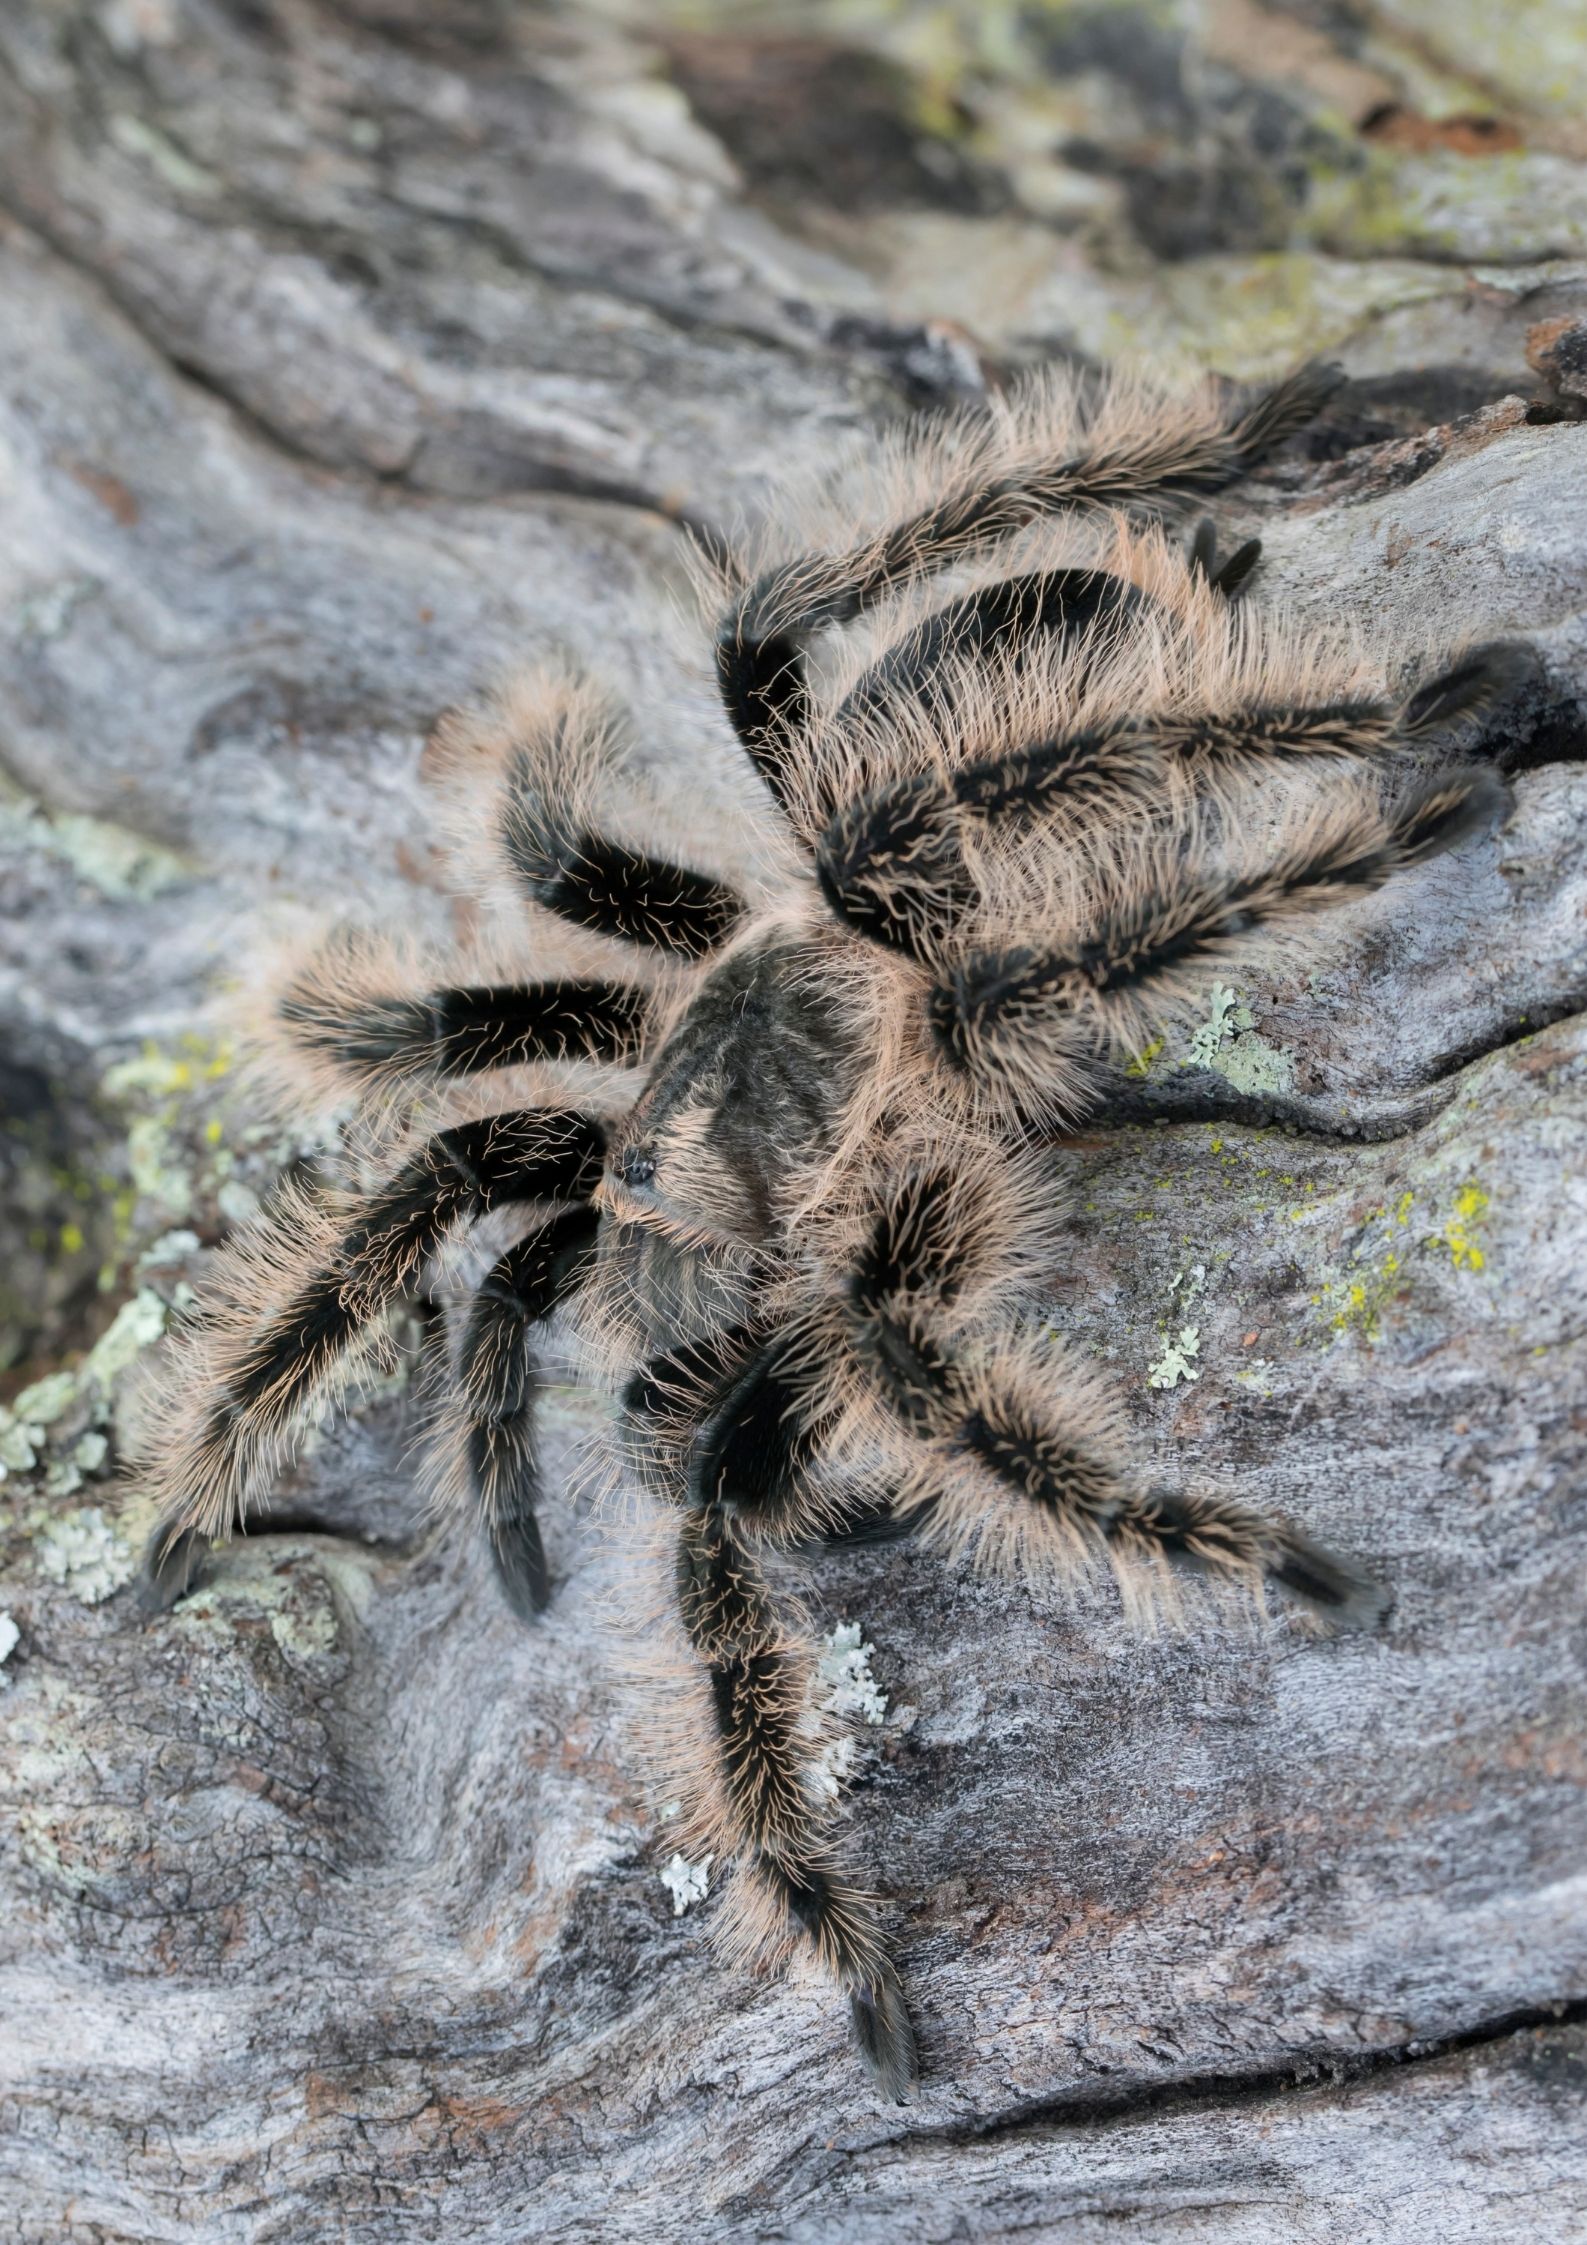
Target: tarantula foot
x=1229, y=576
x=884, y=2034
x=1484, y=677
x=172, y=1565
x=521, y=1569
x=870, y=1524
x=1327, y=1584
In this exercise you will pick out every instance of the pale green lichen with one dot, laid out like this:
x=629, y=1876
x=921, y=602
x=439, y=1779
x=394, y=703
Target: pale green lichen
x=1174, y=1364
x=298, y=1604
x=136, y=137
x=46, y=1400
x=1185, y=1289
x=136, y=1326
x=85, y=1554
x=1225, y=1014
x=45, y=614
x=123, y=866
x=25, y=1442
x=1227, y=1043
x=159, y=1171
x=20, y=1444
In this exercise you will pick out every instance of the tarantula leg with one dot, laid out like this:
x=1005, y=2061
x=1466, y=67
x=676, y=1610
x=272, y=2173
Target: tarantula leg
x=1012, y=1425
x=759, y=640
x=1483, y=677
x=757, y=1447
x=892, y=865
x=1229, y=576
x=460, y=1031
x=560, y=861
x=764, y=1809
x=753, y=1459
x=172, y=1565
x=667, y=1400
x=243, y=1385
x=499, y=1375
x=1007, y=616
x=1032, y=1017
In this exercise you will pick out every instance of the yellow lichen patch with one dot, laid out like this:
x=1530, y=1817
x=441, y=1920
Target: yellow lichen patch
x=1460, y=1233
x=1367, y=1297
x=1141, y=1065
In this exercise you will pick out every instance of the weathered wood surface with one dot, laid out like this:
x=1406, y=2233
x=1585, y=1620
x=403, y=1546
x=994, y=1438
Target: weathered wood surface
x=351, y=354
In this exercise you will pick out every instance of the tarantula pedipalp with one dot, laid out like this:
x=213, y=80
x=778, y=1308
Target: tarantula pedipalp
x=797, y=1177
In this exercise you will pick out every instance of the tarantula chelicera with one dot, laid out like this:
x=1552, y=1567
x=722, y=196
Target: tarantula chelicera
x=791, y=1161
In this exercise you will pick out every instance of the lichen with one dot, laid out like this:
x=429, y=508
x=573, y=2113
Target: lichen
x=45, y=1401
x=686, y=1882
x=10, y=1638
x=844, y=1670
x=136, y=1326
x=20, y=1444
x=1224, y=1015
x=1375, y=1275
x=136, y=137
x=1460, y=1235
x=121, y=865
x=1174, y=1364
x=84, y=1553
x=1227, y=1042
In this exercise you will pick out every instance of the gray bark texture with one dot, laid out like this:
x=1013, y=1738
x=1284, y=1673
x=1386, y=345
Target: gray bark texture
x=353, y=354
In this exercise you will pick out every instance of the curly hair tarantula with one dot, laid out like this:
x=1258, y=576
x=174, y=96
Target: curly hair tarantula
x=791, y=1162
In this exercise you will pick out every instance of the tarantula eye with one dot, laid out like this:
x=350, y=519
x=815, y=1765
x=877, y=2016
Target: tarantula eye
x=636, y=1165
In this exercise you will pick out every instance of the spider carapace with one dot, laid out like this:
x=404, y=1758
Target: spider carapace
x=783, y=1152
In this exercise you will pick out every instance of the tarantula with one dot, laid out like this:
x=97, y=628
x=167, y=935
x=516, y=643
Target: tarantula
x=792, y=1161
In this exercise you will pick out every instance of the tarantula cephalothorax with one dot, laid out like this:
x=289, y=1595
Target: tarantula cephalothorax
x=791, y=1162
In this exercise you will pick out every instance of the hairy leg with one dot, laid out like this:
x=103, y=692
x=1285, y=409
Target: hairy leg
x=301, y=1301
x=1028, y=1020
x=1131, y=451
x=528, y=774
x=895, y=864
x=729, y=1432
x=493, y=1416
x=1018, y=1441
x=381, y=1040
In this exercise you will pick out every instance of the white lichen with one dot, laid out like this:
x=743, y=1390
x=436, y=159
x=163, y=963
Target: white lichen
x=83, y=1552
x=120, y=864
x=1227, y=1043
x=237, y=1202
x=1174, y=1364
x=135, y=1327
x=45, y=1401
x=90, y=1451
x=1223, y=1019
x=845, y=1671
x=834, y=1767
x=686, y=1882
x=170, y=1247
x=20, y=1443
x=10, y=1638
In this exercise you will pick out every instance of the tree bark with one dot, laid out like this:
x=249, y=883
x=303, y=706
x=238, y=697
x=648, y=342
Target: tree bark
x=353, y=354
